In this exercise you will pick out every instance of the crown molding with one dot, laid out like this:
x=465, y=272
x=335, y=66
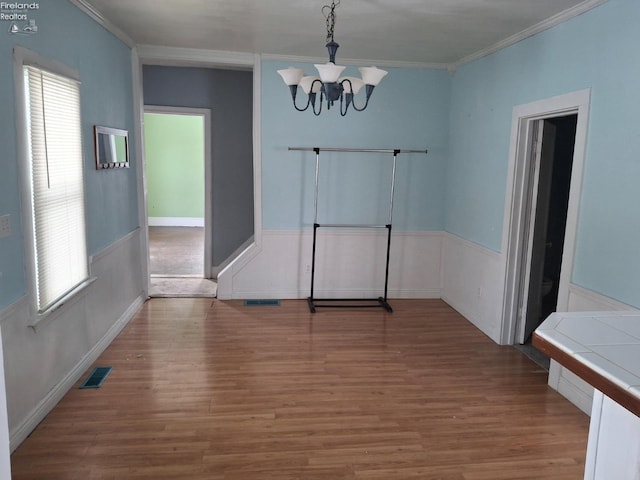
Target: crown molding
x=529, y=32
x=176, y=56
x=96, y=15
x=352, y=61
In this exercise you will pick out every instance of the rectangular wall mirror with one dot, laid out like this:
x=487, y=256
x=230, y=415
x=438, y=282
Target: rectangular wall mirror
x=112, y=147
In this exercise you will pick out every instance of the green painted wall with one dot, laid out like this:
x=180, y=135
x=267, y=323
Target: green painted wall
x=174, y=151
x=121, y=149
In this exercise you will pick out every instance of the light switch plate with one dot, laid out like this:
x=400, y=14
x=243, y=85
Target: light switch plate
x=5, y=226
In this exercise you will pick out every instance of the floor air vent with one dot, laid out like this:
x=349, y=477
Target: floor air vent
x=97, y=377
x=257, y=303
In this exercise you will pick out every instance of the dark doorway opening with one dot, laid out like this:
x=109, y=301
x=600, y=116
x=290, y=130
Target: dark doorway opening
x=553, y=159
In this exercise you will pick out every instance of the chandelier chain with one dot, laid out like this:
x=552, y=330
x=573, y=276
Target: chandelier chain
x=329, y=11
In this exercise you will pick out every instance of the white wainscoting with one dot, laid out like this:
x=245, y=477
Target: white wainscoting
x=569, y=385
x=473, y=283
x=216, y=269
x=349, y=263
x=41, y=366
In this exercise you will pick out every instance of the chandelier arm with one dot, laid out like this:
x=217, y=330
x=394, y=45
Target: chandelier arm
x=369, y=92
x=316, y=113
x=294, y=92
x=314, y=97
x=305, y=107
x=360, y=109
x=346, y=102
x=348, y=96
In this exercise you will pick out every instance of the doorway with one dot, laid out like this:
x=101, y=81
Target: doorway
x=532, y=188
x=551, y=161
x=176, y=169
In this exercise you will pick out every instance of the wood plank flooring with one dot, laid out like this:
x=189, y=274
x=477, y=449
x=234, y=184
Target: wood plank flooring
x=204, y=389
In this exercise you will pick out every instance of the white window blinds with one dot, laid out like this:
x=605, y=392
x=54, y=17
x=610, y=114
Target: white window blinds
x=55, y=151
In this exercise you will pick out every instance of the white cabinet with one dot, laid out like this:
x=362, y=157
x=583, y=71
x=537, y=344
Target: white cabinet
x=613, y=450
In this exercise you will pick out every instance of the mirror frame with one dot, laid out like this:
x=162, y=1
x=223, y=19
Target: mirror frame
x=99, y=133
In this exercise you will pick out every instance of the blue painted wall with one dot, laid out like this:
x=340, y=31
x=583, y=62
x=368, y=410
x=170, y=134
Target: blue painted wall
x=596, y=50
x=408, y=110
x=67, y=35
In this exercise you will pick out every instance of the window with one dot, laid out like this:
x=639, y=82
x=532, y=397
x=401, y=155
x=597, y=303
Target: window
x=54, y=146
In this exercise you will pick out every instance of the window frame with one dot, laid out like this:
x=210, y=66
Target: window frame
x=24, y=57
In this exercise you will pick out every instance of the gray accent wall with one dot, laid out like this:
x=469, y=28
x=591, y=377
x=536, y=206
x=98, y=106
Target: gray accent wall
x=229, y=96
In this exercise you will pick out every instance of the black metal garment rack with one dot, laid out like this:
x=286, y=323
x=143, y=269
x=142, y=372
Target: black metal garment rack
x=314, y=302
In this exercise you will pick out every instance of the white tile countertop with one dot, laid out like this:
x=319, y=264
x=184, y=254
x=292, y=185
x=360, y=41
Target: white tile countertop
x=603, y=348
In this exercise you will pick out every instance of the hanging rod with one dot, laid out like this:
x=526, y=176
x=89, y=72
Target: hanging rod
x=366, y=150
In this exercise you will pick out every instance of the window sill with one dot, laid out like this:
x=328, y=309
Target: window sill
x=40, y=320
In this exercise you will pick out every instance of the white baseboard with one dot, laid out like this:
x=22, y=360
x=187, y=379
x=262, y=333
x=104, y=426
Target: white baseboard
x=176, y=222
x=22, y=431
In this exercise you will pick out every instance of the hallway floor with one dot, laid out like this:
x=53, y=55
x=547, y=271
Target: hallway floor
x=176, y=251
x=177, y=263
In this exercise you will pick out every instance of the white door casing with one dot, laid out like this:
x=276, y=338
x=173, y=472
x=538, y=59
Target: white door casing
x=515, y=217
x=205, y=113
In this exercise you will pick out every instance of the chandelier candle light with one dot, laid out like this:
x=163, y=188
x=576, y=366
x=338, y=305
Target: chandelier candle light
x=330, y=85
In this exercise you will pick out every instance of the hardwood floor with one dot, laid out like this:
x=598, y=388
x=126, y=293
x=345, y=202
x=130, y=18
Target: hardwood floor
x=204, y=389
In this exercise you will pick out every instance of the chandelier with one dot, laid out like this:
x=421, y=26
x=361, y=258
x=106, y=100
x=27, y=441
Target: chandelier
x=329, y=84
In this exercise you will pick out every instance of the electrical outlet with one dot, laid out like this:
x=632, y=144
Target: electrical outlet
x=308, y=269
x=5, y=226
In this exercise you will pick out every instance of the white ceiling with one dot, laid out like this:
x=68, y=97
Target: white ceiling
x=422, y=31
